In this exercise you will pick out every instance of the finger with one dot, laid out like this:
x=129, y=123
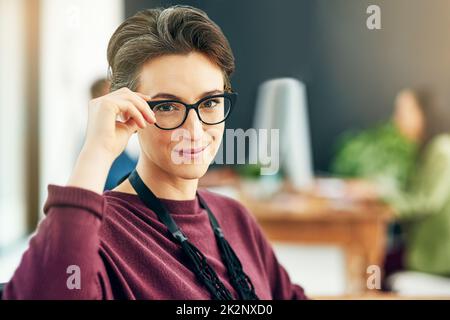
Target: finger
x=141, y=104
x=132, y=126
x=130, y=108
x=124, y=116
x=144, y=96
x=140, y=100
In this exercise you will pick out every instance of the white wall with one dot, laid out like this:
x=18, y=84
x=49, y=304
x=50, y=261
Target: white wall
x=319, y=269
x=12, y=129
x=74, y=38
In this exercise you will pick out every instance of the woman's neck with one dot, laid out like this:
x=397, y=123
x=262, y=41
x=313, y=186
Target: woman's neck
x=162, y=184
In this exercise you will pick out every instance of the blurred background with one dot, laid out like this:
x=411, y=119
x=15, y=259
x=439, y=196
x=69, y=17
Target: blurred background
x=361, y=205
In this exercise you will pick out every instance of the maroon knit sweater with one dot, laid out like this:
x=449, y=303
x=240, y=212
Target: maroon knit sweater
x=124, y=252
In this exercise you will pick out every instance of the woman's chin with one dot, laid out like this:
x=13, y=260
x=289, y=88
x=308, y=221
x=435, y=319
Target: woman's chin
x=190, y=171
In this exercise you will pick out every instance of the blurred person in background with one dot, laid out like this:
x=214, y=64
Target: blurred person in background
x=424, y=209
x=413, y=178
x=100, y=87
x=127, y=160
x=387, y=153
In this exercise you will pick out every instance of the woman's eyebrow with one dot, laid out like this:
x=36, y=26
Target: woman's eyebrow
x=174, y=97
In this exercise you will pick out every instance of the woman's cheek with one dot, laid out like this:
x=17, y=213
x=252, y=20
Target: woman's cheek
x=164, y=144
x=154, y=142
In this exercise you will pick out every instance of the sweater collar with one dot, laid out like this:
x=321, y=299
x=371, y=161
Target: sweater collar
x=182, y=206
x=173, y=206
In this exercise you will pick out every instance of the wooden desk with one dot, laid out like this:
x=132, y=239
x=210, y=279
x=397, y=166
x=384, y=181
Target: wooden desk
x=358, y=227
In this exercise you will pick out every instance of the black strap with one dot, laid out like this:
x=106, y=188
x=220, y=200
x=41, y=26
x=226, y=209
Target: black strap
x=238, y=277
x=240, y=281
x=155, y=204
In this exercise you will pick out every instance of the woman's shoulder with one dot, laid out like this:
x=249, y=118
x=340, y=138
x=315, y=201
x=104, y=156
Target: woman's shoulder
x=220, y=198
x=441, y=143
x=117, y=199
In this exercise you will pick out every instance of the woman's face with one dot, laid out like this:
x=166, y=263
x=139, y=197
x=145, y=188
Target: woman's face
x=185, y=152
x=408, y=116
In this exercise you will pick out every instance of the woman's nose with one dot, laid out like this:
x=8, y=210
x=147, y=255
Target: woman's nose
x=193, y=125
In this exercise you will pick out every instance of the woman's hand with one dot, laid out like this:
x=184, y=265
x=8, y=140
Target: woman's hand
x=107, y=137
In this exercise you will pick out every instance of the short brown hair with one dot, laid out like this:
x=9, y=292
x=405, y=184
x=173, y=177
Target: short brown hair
x=155, y=32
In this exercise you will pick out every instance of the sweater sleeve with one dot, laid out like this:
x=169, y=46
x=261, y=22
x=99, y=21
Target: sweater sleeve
x=429, y=191
x=62, y=260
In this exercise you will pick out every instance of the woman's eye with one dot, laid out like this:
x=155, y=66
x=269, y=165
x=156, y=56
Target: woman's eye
x=209, y=104
x=165, y=108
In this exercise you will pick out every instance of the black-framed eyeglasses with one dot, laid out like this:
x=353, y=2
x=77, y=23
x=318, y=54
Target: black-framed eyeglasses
x=211, y=110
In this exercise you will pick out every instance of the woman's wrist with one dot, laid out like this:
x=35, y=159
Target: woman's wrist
x=91, y=170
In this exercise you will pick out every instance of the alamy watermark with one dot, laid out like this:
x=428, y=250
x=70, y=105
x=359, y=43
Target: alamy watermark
x=74, y=280
x=373, y=21
x=263, y=146
x=374, y=278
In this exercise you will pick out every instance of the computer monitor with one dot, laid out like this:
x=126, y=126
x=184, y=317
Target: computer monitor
x=282, y=104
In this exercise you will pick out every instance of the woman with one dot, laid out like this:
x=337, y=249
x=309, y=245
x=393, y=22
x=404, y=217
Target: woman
x=152, y=237
x=386, y=154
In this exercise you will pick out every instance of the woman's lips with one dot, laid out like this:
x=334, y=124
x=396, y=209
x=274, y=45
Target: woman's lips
x=191, y=153
x=192, y=150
